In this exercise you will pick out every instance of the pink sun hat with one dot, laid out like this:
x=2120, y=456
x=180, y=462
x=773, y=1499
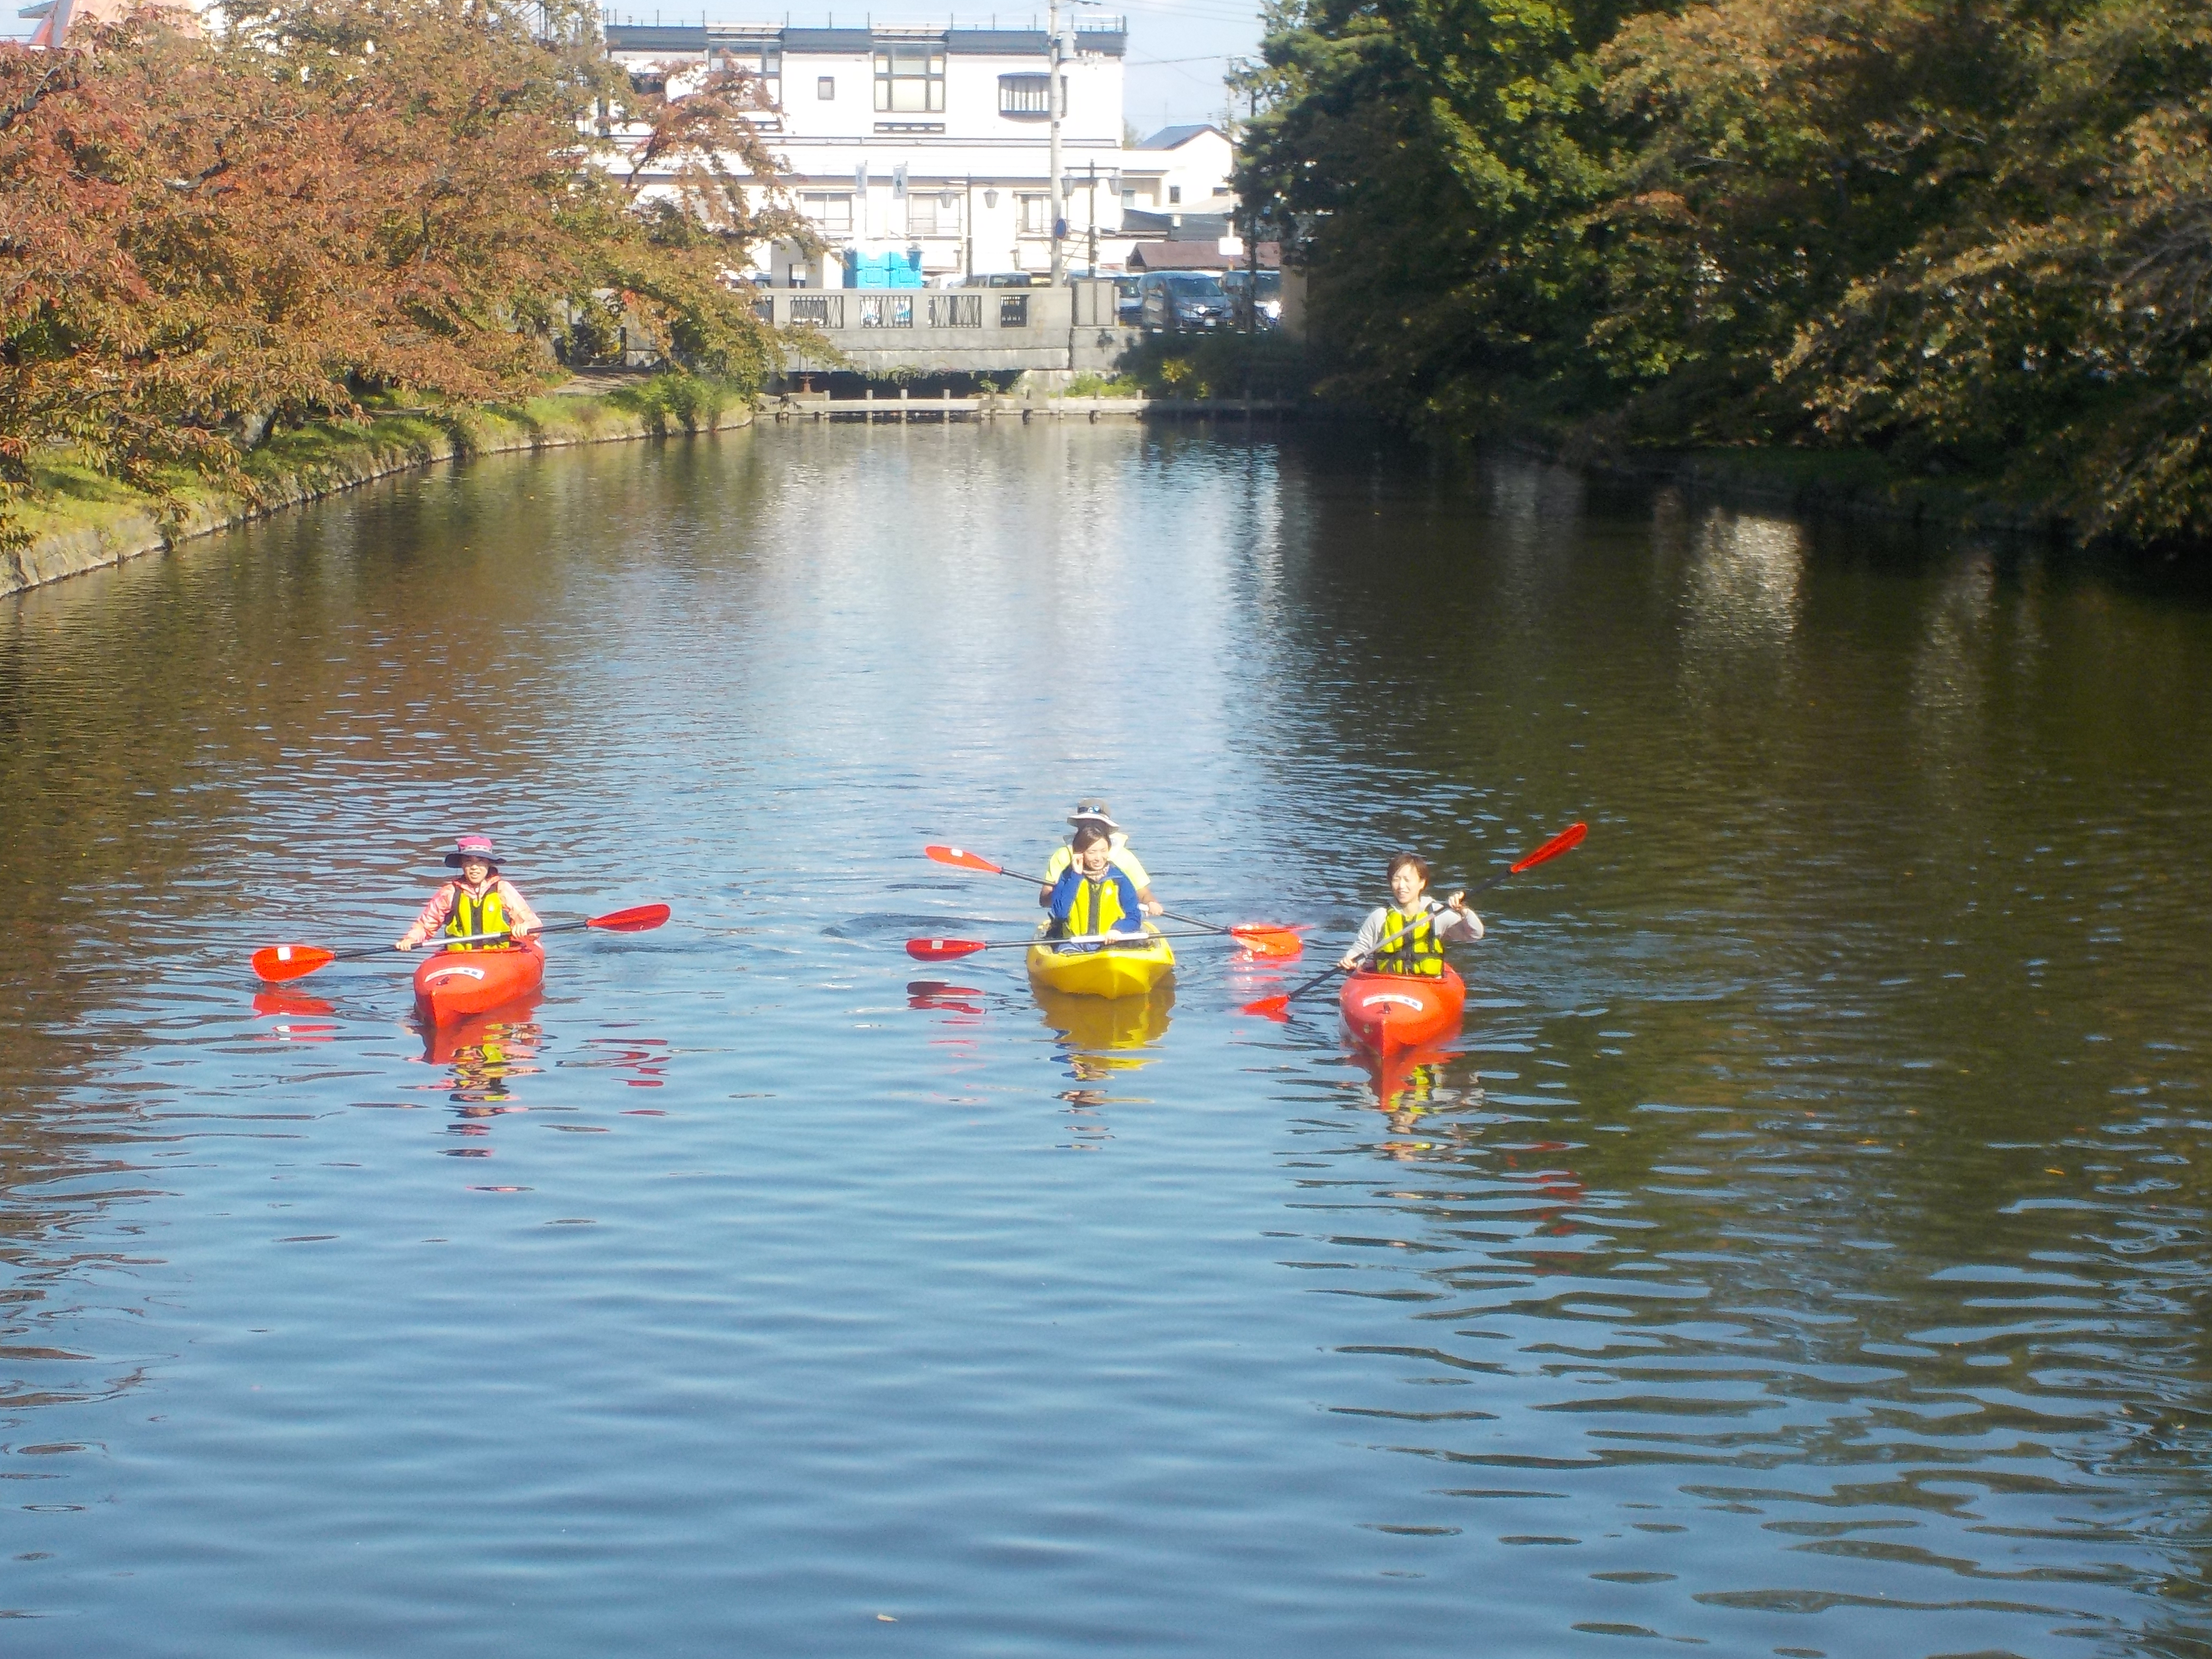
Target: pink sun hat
x=471, y=847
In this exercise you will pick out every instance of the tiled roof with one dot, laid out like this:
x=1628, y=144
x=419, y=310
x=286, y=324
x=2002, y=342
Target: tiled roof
x=1170, y=137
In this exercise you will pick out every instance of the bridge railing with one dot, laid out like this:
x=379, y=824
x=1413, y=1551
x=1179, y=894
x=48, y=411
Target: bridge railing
x=961, y=309
x=883, y=310
x=988, y=311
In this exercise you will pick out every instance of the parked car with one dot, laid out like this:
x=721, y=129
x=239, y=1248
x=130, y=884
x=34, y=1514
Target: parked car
x=1005, y=279
x=1237, y=283
x=1128, y=301
x=1178, y=300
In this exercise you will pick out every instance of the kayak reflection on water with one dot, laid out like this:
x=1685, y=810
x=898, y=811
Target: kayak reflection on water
x=1415, y=1093
x=486, y=1051
x=1099, y=1034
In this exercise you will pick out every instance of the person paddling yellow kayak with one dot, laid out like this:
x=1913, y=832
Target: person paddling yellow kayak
x=1092, y=814
x=1092, y=896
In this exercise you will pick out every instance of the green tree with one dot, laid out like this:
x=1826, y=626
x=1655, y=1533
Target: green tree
x=1971, y=235
x=1440, y=158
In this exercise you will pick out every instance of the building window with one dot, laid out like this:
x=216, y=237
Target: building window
x=937, y=214
x=1028, y=97
x=1175, y=193
x=910, y=79
x=827, y=209
x=826, y=88
x=1037, y=215
x=763, y=63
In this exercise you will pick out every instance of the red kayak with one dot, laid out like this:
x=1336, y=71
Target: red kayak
x=1389, y=1014
x=454, y=984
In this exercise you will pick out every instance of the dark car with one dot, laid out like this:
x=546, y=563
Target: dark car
x=1005, y=279
x=1176, y=299
x=1268, y=287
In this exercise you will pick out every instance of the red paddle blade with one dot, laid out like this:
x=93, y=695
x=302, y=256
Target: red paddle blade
x=635, y=919
x=1266, y=939
x=942, y=950
x=959, y=860
x=1565, y=841
x=1268, y=1007
x=279, y=963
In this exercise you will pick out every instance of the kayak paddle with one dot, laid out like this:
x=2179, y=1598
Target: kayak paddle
x=1565, y=841
x=1261, y=939
x=279, y=963
x=944, y=949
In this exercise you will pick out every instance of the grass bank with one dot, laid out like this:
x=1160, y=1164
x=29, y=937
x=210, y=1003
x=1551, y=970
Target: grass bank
x=79, y=518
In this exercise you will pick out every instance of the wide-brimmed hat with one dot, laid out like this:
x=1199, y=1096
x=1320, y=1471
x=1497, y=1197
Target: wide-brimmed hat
x=471, y=847
x=1091, y=812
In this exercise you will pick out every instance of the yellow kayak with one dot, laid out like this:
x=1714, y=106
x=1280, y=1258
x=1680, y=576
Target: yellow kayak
x=1115, y=971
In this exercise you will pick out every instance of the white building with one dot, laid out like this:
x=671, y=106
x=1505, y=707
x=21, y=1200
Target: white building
x=1179, y=171
x=927, y=139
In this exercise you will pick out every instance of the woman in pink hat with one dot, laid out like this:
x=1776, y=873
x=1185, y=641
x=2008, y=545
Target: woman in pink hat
x=482, y=900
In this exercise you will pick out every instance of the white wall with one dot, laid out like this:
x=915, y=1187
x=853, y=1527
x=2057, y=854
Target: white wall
x=988, y=161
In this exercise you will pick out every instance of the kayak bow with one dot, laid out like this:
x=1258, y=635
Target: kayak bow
x=1389, y=1014
x=454, y=984
x=1111, y=970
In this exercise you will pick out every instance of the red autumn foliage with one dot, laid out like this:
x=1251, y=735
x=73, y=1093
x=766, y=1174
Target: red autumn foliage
x=203, y=235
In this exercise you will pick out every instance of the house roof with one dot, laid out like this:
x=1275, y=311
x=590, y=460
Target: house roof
x=698, y=37
x=1174, y=137
x=1174, y=227
x=1180, y=256
x=1199, y=256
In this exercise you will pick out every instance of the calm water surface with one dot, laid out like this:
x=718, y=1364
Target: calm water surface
x=1804, y=1254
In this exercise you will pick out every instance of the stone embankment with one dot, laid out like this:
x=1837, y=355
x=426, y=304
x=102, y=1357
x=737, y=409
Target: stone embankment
x=80, y=521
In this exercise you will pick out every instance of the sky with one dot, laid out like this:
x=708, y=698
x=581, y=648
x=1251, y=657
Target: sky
x=1179, y=49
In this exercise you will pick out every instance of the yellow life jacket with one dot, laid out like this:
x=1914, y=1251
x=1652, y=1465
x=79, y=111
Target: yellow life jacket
x=1416, y=950
x=473, y=914
x=1096, y=905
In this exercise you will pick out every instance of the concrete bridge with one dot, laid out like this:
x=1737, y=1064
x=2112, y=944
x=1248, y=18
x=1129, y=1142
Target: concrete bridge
x=1067, y=328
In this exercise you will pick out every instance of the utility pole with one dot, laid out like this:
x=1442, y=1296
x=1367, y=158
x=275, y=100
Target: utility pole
x=1251, y=238
x=1059, y=194
x=1093, y=209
